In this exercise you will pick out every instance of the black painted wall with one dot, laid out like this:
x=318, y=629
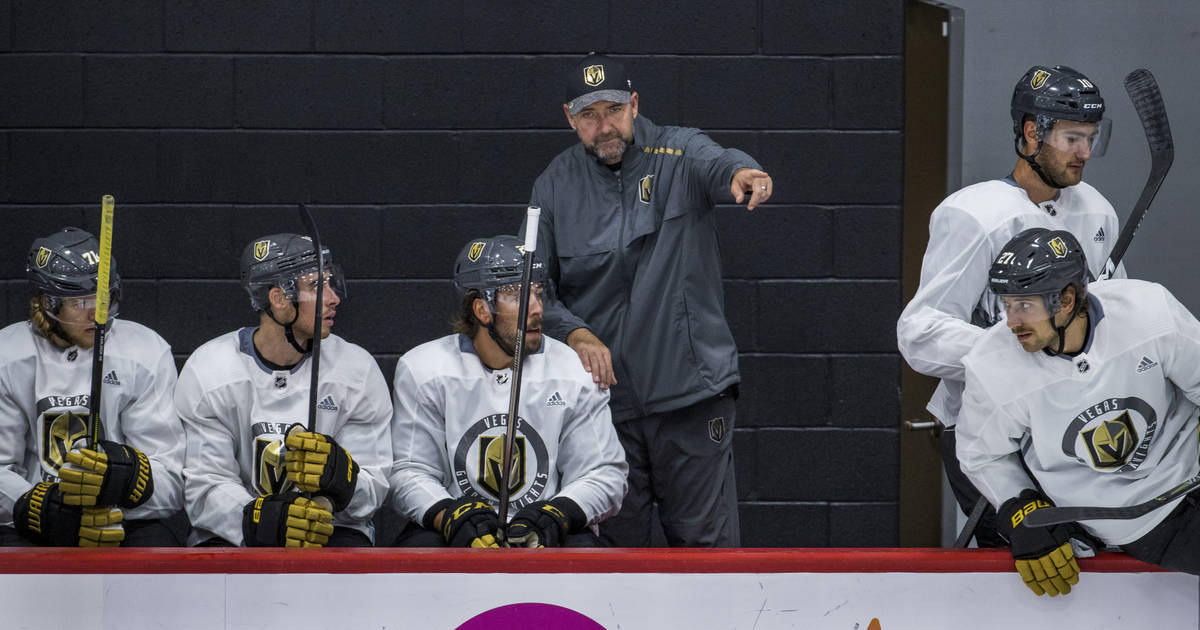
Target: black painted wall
x=411, y=127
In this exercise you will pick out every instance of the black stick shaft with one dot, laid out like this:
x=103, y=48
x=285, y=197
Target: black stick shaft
x=318, y=316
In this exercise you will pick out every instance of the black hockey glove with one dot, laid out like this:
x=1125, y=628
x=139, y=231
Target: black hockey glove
x=41, y=517
x=1043, y=555
x=544, y=523
x=286, y=520
x=112, y=474
x=470, y=523
x=316, y=463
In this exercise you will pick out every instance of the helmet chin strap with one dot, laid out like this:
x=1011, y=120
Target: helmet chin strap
x=1037, y=168
x=288, y=332
x=1062, y=332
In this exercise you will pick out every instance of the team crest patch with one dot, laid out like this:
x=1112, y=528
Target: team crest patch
x=1039, y=79
x=644, y=187
x=491, y=462
x=716, y=429
x=1111, y=442
x=476, y=251
x=1058, y=246
x=477, y=462
x=261, y=249
x=43, y=257
x=593, y=75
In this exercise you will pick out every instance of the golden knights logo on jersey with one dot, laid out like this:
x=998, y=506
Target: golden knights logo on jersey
x=478, y=459
x=61, y=421
x=491, y=462
x=1112, y=435
x=270, y=472
x=1111, y=442
x=645, y=187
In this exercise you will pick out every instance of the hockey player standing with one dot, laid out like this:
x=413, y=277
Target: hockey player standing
x=54, y=489
x=255, y=476
x=1086, y=397
x=451, y=405
x=1058, y=125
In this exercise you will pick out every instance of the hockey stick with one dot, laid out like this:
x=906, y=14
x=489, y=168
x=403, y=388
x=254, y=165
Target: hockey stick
x=102, y=297
x=1147, y=100
x=514, y=394
x=1069, y=513
x=318, y=316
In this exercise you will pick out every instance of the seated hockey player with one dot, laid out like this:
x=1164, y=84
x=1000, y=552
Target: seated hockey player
x=56, y=489
x=451, y=405
x=1087, y=396
x=255, y=476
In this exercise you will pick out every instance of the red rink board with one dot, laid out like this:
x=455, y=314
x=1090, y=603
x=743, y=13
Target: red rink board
x=244, y=561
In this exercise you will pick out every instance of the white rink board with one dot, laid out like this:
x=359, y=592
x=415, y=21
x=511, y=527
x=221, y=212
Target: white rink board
x=838, y=601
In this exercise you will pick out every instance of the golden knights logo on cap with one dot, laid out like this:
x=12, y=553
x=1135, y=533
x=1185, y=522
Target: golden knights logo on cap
x=43, y=257
x=476, y=250
x=645, y=185
x=261, y=249
x=1059, y=247
x=593, y=75
x=1039, y=79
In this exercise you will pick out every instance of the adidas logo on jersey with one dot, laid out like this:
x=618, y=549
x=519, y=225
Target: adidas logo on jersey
x=555, y=400
x=1146, y=364
x=111, y=378
x=327, y=404
x=1099, y=237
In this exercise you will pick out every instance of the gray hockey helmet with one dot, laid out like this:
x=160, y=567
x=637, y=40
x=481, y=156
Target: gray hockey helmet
x=1040, y=262
x=66, y=263
x=1055, y=93
x=279, y=260
x=485, y=264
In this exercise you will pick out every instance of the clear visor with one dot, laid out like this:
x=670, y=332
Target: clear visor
x=1086, y=140
x=77, y=309
x=335, y=282
x=1028, y=310
x=510, y=294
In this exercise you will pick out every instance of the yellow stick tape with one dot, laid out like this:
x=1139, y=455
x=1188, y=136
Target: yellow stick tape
x=106, y=232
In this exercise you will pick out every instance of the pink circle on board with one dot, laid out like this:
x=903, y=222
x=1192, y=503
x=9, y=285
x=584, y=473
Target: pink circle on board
x=530, y=615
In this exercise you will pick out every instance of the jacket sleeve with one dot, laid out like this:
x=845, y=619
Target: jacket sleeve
x=713, y=166
x=557, y=319
x=989, y=445
x=213, y=490
x=150, y=424
x=365, y=435
x=934, y=331
x=420, y=465
x=591, y=461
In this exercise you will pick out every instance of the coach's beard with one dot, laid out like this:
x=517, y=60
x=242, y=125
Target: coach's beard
x=609, y=150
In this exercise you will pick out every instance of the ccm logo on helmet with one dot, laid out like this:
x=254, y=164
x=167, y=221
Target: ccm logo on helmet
x=1092, y=106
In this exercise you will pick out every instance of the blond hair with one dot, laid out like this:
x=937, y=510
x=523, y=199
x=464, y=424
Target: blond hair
x=42, y=323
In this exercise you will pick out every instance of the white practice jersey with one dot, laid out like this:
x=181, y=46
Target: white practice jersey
x=44, y=396
x=1114, y=426
x=236, y=412
x=449, y=425
x=953, y=305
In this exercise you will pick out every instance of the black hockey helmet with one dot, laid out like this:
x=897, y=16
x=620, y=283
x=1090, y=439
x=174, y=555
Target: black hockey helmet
x=279, y=260
x=486, y=264
x=1039, y=261
x=66, y=263
x=1055, y=93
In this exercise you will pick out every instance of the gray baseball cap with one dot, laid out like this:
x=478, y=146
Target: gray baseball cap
x=596, y=78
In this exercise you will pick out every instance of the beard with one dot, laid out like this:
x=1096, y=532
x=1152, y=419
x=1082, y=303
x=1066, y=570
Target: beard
x=1057, y=170
x=609, y=149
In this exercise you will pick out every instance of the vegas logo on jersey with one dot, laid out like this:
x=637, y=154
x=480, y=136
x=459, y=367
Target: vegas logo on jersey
x=1109, y=432
x=478, y=455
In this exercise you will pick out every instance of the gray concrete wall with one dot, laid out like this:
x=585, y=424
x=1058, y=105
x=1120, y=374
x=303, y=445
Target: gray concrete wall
x=1104, y=39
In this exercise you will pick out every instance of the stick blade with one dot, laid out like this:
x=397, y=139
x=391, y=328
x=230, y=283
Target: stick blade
x=1147, y=100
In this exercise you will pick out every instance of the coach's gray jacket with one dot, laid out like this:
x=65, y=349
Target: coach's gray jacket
x=634, y=256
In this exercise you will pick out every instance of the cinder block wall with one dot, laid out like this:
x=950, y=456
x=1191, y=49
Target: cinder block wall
x=409, y=128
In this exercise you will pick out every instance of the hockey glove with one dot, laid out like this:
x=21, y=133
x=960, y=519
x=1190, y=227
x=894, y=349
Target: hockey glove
x=470, y=523
x=544, y=523
x=286, y=520
x=1043, y=555
x=112, y=474
x=316, y=463
x=41, y=517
